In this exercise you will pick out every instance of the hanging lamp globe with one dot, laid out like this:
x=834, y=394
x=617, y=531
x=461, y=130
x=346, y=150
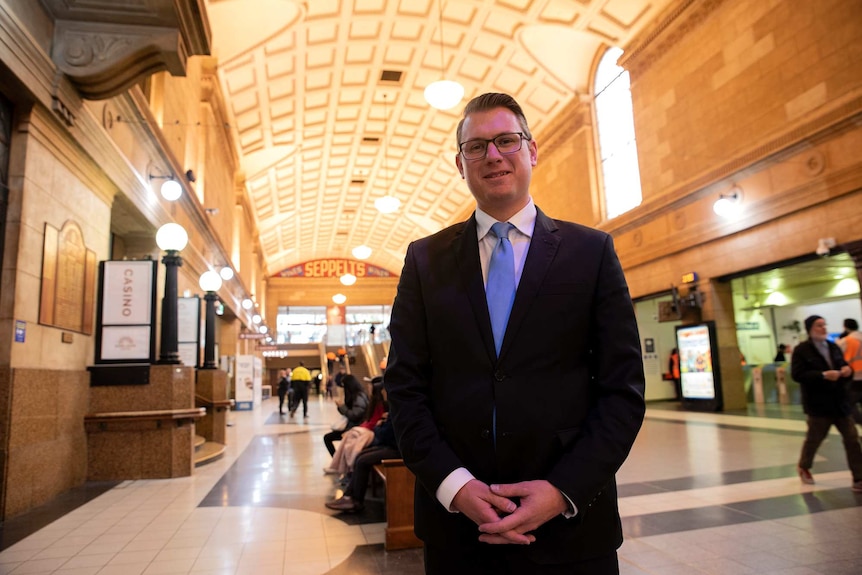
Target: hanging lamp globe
x=444, y=94
x=387, y=204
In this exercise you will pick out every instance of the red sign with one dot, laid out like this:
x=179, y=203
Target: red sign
x=334, y=268
x=252, y=336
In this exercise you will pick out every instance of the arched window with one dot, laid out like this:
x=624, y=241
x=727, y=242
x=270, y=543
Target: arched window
x=616, y=134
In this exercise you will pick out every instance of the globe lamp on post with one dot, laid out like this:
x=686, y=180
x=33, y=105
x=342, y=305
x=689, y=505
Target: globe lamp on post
x=210, y=282
x=171, y=238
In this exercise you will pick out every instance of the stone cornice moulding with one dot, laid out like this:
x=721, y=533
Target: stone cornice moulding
x=212, y=94
x=676, y=22
x=834, y=116
x=804, y=196
x=574, y=117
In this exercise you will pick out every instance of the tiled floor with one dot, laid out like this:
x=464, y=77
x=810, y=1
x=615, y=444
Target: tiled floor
x=700, y=493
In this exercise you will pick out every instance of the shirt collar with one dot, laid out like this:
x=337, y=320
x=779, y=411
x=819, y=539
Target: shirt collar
x=524, y=220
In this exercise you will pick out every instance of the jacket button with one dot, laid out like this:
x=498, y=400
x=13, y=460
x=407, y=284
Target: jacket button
x=486, y=433
x=499, y=375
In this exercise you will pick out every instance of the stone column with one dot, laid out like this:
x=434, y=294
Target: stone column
x=718, y=307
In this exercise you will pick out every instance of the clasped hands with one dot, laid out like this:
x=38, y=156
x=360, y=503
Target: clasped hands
x=835, y=374
x=500, y=519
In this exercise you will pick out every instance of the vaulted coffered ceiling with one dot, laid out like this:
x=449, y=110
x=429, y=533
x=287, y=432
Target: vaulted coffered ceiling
x=327, y=106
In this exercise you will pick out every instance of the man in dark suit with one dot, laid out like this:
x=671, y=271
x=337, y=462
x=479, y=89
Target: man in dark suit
x=824, y=377
x=514, y=440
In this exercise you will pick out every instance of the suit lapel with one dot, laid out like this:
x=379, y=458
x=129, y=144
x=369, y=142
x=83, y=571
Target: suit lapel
x=543, y=248
x=466, y=248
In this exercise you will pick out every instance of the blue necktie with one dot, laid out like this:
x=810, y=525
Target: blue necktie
x=500, y=290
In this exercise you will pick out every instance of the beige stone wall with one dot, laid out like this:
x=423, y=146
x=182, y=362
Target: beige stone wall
x=765, y=96
x=53, y=182
x=715, y=110
x=800, y=173
x=729, y=75
x=565, y=176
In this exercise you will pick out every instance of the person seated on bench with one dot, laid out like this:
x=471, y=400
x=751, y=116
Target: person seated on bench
x=383, y=447
x=353, y=409
x=359, y=436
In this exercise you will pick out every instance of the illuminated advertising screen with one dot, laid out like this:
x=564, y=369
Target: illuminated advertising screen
x=698, y=366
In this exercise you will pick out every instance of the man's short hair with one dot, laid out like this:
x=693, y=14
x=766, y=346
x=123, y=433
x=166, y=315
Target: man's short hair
x=851, y=324
x=490, y=101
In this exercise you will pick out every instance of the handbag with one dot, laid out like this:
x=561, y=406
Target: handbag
x=340, y=424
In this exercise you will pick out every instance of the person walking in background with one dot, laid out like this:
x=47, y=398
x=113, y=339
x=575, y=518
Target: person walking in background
x=283, y=385
x=779, y=355
x=823, y=374
x=851, y=345
x=673, y=369
x=300, y=379
x=515, y=380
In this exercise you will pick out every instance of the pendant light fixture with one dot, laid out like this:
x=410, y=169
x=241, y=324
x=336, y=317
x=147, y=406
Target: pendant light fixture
x=388, y=203
x=443, y=94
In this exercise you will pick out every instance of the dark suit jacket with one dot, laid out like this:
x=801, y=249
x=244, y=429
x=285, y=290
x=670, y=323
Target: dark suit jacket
x=820, y=397
x=568, y=385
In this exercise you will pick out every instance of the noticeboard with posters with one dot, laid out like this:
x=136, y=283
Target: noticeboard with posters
x=699, y=366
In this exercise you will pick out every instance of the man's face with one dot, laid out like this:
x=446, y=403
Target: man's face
x=500, y=183
x=818, y=330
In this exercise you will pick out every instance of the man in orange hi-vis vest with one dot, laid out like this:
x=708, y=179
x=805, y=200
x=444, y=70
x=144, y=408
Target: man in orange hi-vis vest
x=851, y=345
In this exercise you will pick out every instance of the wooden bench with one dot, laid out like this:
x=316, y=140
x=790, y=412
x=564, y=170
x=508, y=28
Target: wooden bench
x=399, y=482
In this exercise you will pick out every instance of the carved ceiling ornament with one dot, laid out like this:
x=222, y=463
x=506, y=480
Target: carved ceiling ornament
x=107, y=47
x=82, y=49
x=815, y=163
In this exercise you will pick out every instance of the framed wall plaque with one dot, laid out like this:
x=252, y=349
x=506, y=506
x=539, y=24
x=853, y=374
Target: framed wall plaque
x=68, y=279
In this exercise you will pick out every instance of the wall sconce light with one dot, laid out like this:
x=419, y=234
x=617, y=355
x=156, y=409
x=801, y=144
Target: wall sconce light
x=256, y=319
x=824, y=246
x=339, y=298
x=729, y=204
x=210, y=282
x=247, y=304
x=171, y=238
x=171, y=189
x=226, y=273
x=348, y=279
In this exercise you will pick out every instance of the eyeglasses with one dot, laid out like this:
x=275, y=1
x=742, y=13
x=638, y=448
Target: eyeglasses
x=505, y=144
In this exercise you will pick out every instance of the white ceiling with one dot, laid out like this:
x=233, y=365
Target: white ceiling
x=321, y=135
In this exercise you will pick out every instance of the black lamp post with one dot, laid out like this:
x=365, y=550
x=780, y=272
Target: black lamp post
x=171, y=238
x=210, y=282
